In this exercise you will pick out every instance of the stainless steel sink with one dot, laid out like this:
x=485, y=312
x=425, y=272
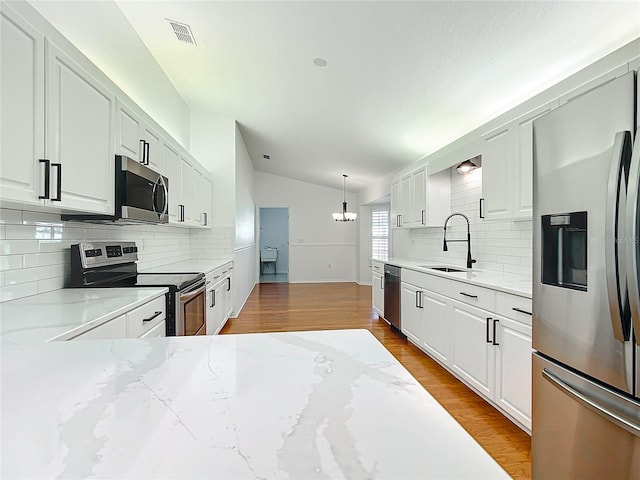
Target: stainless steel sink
x=444, y=269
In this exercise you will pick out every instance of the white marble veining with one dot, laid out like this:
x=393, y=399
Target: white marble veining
x=188, y=266
x=502, y=281
x=63, y=314
x=309, y=405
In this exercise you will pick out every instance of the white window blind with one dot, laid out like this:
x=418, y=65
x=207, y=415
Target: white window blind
x=380, y=234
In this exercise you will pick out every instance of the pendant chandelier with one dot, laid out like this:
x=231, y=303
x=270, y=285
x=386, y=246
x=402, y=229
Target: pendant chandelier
x=344, y=216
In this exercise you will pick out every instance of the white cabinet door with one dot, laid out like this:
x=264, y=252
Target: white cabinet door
x=406, y=192
x=80, y=131
x=396, y=205
x=189, y=183
x=128, y=132
x=496, y=174
x=154, y=154
x=22, y=110
x=473, y=352
x=435, y=325
x=202, y=199
x=411, y=311
x=211, y=311
x=513, y=369
x=419, y=190
x=522, y=185
x=116, y=328
x=160, y=330
x=377, y=292
x=438, y=198
x=173, y=171
x=228, y=297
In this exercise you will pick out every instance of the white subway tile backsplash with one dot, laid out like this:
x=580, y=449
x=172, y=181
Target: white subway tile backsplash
x=497, y=245
x=35, y=248
x=10, y=217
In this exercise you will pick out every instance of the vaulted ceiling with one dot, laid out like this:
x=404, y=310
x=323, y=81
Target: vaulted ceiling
x=401, y=80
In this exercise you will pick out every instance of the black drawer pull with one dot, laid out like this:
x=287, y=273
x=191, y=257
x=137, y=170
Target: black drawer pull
x=58, y=197
x=488, y=328
x=47, y=177
x=157, y=314
x=495, y=321
x=516, y=309
x=468, y=295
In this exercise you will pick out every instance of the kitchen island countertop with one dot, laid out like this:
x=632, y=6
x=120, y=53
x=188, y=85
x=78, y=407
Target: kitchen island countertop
x=190, y=266
x=308, y=405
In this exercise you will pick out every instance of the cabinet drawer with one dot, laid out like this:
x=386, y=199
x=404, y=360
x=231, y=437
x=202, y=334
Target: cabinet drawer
x=220, y=272
x=116, y=328
x=473, y=295
x=377, y=266
x=160, y=330
x=144, y=318
x=514, y=306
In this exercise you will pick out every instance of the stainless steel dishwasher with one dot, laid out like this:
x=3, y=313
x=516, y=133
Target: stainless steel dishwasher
x=392, y=295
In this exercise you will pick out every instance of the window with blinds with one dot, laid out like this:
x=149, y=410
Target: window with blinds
x=380, y=234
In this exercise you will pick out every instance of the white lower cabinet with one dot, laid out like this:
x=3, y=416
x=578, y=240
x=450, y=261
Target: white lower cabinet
x=145, y=321
x=116, y=328
x=473, y=352
x=411, y=312
x=435, y=330
x=377, y=292
x=488, y=351
x=513, y=366
x=219, y=298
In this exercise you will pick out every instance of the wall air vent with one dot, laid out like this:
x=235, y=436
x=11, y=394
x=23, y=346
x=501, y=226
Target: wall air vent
x=183, y=32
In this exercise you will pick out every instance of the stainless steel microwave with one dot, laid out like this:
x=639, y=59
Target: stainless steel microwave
x=141, y=196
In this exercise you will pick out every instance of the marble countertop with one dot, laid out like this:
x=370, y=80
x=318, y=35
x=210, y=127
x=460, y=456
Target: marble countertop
x=192, y=265
x=307, y=405
x=505, y=282
x=63, y=314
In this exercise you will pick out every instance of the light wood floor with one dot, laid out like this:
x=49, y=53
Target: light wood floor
x=328, y=306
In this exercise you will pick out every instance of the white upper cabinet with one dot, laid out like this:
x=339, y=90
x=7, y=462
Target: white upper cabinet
x=173, y=172
x=420, y=200
x=507, y=168
x=80, y=131
x=203, y=198
x=22, y=110
x=136, y=138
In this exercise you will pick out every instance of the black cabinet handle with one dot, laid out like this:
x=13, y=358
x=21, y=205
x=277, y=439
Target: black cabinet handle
x=417, y=300
x=424, y=217
x=181, y=215
x=47, y=178
x=488, y=327
x=482, y=208
x=495, y=321
x=146, y=153
x=142, y=150
x=58, y=197
x=228, y=284
x=381, y=283
x=213, y=299
x=205, y=217
x=468, y=295
x=152, y=317
x=516, y=309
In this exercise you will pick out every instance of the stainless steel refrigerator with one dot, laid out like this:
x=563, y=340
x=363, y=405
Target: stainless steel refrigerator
x=586, y=305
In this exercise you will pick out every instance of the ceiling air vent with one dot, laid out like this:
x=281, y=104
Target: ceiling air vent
x=183, y=32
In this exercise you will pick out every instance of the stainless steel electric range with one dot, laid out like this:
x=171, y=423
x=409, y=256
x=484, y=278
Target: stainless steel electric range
x=113, y=264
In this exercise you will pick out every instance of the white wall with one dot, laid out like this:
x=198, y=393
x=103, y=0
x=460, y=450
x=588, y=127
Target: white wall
x=274, y=232
x=245, y=271
x=320, y=249
x=100, y=31
x=496, y=245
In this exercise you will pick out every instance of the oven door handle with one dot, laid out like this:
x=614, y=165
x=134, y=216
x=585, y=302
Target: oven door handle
x=190, y=294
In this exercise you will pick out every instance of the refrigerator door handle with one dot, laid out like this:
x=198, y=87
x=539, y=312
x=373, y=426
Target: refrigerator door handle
x=632, y=234
x=613, y=243
x=581, y=397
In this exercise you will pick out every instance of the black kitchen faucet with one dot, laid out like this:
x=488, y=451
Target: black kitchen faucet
x=470, y=260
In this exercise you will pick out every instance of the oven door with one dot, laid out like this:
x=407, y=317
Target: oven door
x=191, y=311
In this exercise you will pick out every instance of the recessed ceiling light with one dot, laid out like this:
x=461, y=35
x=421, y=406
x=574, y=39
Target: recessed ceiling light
x=266, y=157
x=320, y=62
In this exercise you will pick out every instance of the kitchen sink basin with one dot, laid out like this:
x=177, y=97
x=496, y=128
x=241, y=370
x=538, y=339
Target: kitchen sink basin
x=445, y=269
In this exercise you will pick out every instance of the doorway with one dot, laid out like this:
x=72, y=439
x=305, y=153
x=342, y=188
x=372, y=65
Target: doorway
x=274, y=245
